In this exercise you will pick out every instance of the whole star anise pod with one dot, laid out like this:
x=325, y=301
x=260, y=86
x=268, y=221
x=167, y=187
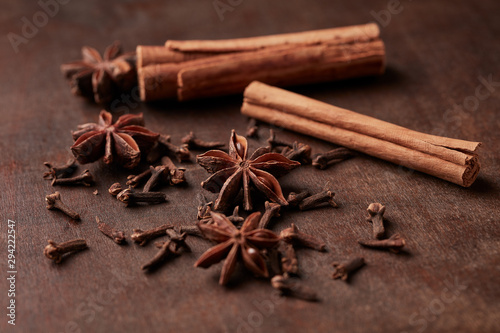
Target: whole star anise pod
x=244, y=244
x=234, y=171
x=101, y=78
x=121, y=141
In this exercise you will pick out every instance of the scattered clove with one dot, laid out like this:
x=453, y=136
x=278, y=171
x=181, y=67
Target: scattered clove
x=272, y=210
x=293, y=235
x=177, y=176
x=191, y=230
x=165, y=147
x=294, y=199
x=275, y=144
x=324, y=160
x=252, y=129
x=344, y=268
x=299, y=152
x=144, y=236
x=179, y=239
x=54, y=202
x=159, y=174
x=130, y=198
x=376, y=217
x=289, y=261
x=193, y=142
x=204, y=207
x=164, y=252
x=292, y=287
x=182, y=153
x=134, y=181
x=115, y=189
x=235, y=218
x=85, y=179
x=63, y=171
x=117, y=236
x=55, y=251
x=318, y=200
x=395, y=243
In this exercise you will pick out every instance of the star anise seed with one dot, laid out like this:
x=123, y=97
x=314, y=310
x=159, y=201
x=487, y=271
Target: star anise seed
x=122, y=141
x=244, y=244
x=234, y=171
x=101, y=78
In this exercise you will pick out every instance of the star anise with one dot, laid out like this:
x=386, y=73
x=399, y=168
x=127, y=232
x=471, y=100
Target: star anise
x=101, y=78
x=121, y=141
x=244, y=244
x=234, y=171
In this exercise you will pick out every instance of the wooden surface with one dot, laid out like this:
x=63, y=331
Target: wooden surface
x=449, y=279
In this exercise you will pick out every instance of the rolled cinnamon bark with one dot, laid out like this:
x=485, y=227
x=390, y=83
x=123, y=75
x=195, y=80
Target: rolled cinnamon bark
x=449, y=159
x=282, y=65
x=342, y=35
x=150, y=55
x=222, y=67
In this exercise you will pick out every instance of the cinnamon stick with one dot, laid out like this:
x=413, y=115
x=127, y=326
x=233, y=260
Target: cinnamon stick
x=290, y=59
x=280, y=65
x=340, y=35
x=449, y=159
x=150, y=55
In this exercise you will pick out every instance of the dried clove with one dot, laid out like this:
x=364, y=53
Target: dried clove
x=179, y=240
x=134, y=181
x=274, y=144
x=54, y=202
x=129, y=198
x=55, y=251
x=191, y=230
x=165, y=147
x=85, y=179
x=272, y=210
x=318, y=200
x=324, y=160
x=144, y=236
x=344, y=268
x=289, y=261
x=294, y=199
x=193, y=142
x=117, y=236
x=299, y=152
x=159, y=174
x=204, y=207
x=292, y=287
x=115, y=189
x=273, y=261
x=182, y=153
x=252, y=129
x=164, y=252
x=395, y=243
x=62, y=171
x=235, y=218
x=177, y=176
x=376, y=217
x=293, y=235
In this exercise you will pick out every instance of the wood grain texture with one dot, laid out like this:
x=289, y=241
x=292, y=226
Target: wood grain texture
x=437, y=57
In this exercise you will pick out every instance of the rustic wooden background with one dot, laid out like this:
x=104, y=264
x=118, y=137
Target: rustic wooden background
x=449, y=278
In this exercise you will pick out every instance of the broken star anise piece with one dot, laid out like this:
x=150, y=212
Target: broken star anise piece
x=235, y=170
x=101, y=78
x=244, y=244
x=121, y=141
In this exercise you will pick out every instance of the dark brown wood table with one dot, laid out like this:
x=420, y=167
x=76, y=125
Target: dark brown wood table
x=443, y=77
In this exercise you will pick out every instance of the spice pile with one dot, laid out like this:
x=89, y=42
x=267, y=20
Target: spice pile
x=239, y=177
